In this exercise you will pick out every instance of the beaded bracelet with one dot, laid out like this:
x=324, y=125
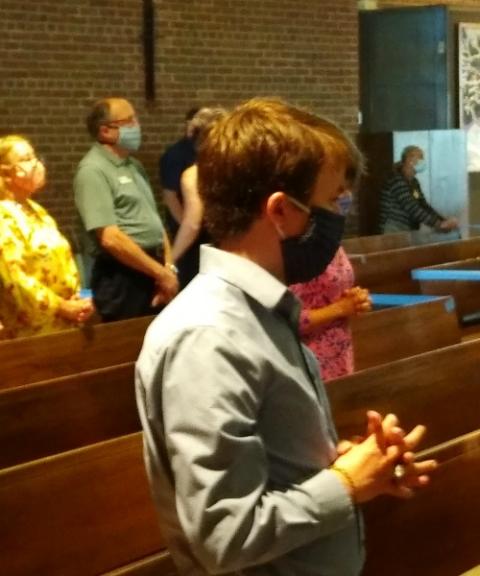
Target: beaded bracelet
x=346, y=476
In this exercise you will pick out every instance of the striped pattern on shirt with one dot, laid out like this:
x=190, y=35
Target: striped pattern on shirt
x=402, y=202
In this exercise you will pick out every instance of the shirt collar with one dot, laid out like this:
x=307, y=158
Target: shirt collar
x=251, y=279
x=110, y=156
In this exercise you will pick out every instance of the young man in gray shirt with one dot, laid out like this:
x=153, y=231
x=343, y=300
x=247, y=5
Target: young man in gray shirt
x=244, y=462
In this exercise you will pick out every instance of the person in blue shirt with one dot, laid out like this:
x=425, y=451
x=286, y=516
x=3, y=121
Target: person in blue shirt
x=173, y=162
x=244, y=462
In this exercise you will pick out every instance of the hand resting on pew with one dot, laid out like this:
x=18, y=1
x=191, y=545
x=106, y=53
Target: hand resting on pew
x=448, y=224
x=367, y=465
x=76, y=309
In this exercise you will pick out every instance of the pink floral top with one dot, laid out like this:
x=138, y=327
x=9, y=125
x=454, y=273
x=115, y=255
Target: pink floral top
x=331, y=343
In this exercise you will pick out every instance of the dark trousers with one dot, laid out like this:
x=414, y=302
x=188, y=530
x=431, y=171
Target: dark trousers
x=119, y=292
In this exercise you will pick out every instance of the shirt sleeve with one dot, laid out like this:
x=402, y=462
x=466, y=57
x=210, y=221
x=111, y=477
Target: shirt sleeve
x=28, y=294
x=420, y=212
x=93, y=198
x=171, y=168
x=231, y=515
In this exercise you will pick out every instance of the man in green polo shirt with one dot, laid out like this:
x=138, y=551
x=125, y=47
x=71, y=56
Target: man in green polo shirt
x=132, y=273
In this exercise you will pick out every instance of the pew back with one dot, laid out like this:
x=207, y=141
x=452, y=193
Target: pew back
x=439, y=389
x=390, y=272
x=386, y=335
x=465, y=289
x=80, y=513
x=376, y=243
x=30, y=360
x=65, y=413
x=436, y=532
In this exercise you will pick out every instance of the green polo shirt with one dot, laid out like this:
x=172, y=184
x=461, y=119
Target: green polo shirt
x=115, y=191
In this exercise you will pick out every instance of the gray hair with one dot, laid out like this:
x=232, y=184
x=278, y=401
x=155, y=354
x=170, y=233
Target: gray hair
x=203, y=120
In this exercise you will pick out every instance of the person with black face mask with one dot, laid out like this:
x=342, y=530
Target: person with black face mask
x=329, y=299
x=133, y=273
x=241, y=450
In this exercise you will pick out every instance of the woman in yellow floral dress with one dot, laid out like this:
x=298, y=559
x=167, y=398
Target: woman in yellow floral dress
x=39, y=281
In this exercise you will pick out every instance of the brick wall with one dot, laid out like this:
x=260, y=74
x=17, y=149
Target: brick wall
x=59, y=56
x=406, y=3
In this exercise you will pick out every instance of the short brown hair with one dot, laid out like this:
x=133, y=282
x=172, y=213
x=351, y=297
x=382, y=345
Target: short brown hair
x=263, y=146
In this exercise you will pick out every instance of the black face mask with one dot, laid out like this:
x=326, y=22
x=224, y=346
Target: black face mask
x=308, y=255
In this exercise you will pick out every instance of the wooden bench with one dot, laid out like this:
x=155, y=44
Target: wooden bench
x=376, y=243
x=439, y=389
x=46, y=418
x=81, y=513
x=391, y=271
x=461, y=279
x=437, y=532
x=386, y=335
x=89, y=512
x=64, y=413
x=29, y=360
x=385, y=242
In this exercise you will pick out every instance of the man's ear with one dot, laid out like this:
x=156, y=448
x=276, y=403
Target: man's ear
x=105, y=134
x=276, y=206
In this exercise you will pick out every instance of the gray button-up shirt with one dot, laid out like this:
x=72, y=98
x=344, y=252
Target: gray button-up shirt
x=238, y=432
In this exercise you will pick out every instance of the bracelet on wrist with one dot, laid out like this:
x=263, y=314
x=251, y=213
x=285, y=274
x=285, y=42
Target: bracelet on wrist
x=346, y=476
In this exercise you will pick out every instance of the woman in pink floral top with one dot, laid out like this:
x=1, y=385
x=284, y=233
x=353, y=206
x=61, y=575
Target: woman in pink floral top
x=328, y=300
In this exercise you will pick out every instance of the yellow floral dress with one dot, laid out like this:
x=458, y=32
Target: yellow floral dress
x=37, y=270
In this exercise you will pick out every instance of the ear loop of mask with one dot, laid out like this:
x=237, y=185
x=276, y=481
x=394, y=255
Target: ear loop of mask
x=299, y=205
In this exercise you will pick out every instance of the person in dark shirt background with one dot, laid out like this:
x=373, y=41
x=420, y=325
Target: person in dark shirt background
x=173, y=162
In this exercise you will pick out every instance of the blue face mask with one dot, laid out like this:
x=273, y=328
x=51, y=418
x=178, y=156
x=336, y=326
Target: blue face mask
x=420, y=166
x=129, y=137
x=306, y=256
x=344, y=203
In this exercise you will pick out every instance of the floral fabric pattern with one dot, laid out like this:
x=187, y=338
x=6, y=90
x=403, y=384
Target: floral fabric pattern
x=331, y=343
x=37, y=270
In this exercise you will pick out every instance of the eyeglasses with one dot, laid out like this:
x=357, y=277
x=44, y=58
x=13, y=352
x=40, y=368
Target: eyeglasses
x=122, y=122
x=31, y=160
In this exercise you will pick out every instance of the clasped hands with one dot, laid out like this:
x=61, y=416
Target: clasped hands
x=355, y=300
x=166, y=287
x=369, y=463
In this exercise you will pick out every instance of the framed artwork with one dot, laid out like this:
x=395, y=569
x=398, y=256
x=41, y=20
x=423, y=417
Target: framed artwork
x=469, y=89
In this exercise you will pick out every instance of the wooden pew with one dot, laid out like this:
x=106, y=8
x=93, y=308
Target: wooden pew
x=390, y=271
x=385, y=242
x=160, y=564
x=29, y=360
x=386, y=335
x=89, y=512
x=81, y=513
x=72, y=411
x=437, y=532
x=64, y=413
x=377, y=243
x=439, y=389
x=465, y=291
x=46, y=418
